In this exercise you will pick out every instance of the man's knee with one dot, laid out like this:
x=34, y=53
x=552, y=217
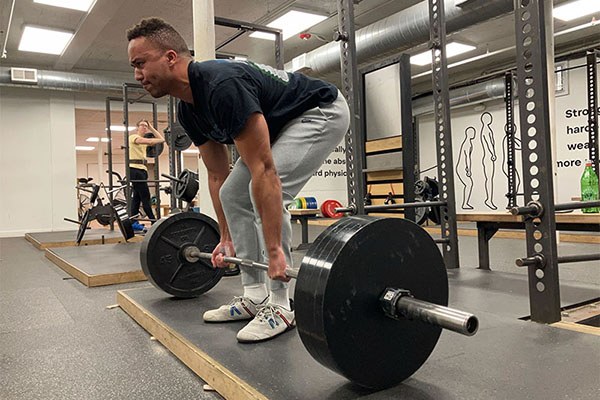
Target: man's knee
x=231, y=198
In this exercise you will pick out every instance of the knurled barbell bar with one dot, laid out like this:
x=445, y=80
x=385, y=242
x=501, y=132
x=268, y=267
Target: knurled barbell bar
x=370, y=296
x=352, y=209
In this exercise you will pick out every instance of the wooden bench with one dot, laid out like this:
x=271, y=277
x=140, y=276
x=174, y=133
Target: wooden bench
x=489, y=223
x=303, y=215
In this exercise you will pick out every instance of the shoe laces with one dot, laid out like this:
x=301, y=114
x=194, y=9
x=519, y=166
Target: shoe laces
x=266, y=313
x=237, y=299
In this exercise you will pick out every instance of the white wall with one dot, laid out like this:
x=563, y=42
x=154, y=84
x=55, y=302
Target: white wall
x=568, y=163
x=37, y=161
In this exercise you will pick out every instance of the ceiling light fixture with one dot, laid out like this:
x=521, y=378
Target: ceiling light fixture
x=452, y=49
x=81, y=5
x=576, y=9
x=42, y=40
x=84, y=148
x=291, y=23
x=96, y=139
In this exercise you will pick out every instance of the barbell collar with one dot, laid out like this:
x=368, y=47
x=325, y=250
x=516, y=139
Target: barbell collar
x=399, y=303
x=193, y=254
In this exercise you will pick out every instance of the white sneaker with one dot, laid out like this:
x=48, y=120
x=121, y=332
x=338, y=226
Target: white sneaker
x=239, y=309
x=270, y=321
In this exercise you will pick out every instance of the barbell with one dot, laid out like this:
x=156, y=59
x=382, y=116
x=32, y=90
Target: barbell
x=371, y=293
x=186, y=185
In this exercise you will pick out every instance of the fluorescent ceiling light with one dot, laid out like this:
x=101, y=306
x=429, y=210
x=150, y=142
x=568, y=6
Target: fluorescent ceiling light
x=452, y=49
x=41, y=40
x=291, y=23
x=96, y=139
x=120, y=128
x=576, y=9
x=84, y=148
x=81, y=5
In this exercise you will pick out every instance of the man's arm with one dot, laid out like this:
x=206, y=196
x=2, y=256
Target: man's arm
x=253, y=144
x=215, y=157
x=155, y=132
x=148, y=141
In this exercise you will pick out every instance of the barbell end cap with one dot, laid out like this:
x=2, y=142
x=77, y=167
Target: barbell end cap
x=519, y=262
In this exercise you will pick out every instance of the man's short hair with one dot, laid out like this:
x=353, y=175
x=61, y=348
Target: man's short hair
x=160, y=33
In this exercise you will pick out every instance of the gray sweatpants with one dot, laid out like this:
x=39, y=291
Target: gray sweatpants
x=301, y=148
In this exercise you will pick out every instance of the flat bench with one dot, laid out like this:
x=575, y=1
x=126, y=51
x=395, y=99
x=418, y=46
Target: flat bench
x=489, y=223
x=303, y=215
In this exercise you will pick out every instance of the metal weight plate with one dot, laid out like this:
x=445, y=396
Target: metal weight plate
x=123, y=222
x=421, y=213
x=342, y=276
x=182, y=140
x=420, y=187
x=434, y=187
x=82, y=226
x=187, y=190
x=153, y=151
x=102, y=214
x=328, y=209
x=162, y=260
x=434, y=213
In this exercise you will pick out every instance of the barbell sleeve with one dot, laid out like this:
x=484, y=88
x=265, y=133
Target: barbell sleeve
x=399, y=304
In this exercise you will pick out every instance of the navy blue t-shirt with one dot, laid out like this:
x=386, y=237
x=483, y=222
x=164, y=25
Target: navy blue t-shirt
x=227, y=92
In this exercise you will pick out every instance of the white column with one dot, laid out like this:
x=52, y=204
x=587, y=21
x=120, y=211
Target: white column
x=203, y=14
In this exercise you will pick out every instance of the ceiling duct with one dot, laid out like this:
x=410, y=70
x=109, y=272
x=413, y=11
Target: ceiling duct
x=69, y=81
x=472, y=94
x=401, y=31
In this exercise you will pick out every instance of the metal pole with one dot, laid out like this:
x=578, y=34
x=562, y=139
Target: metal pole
x=110, y=159
x=592, y=90
x=171, y=144
x=441, y=98
x=279, y=50
x=410, y=144
x=354, y=140
x=156, y=163
x=535, y=80
x=126, y=148
x=509, y=131
x=578, y=258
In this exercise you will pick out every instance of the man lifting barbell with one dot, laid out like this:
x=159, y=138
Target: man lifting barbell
x=138, y=173
x=284, y=125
